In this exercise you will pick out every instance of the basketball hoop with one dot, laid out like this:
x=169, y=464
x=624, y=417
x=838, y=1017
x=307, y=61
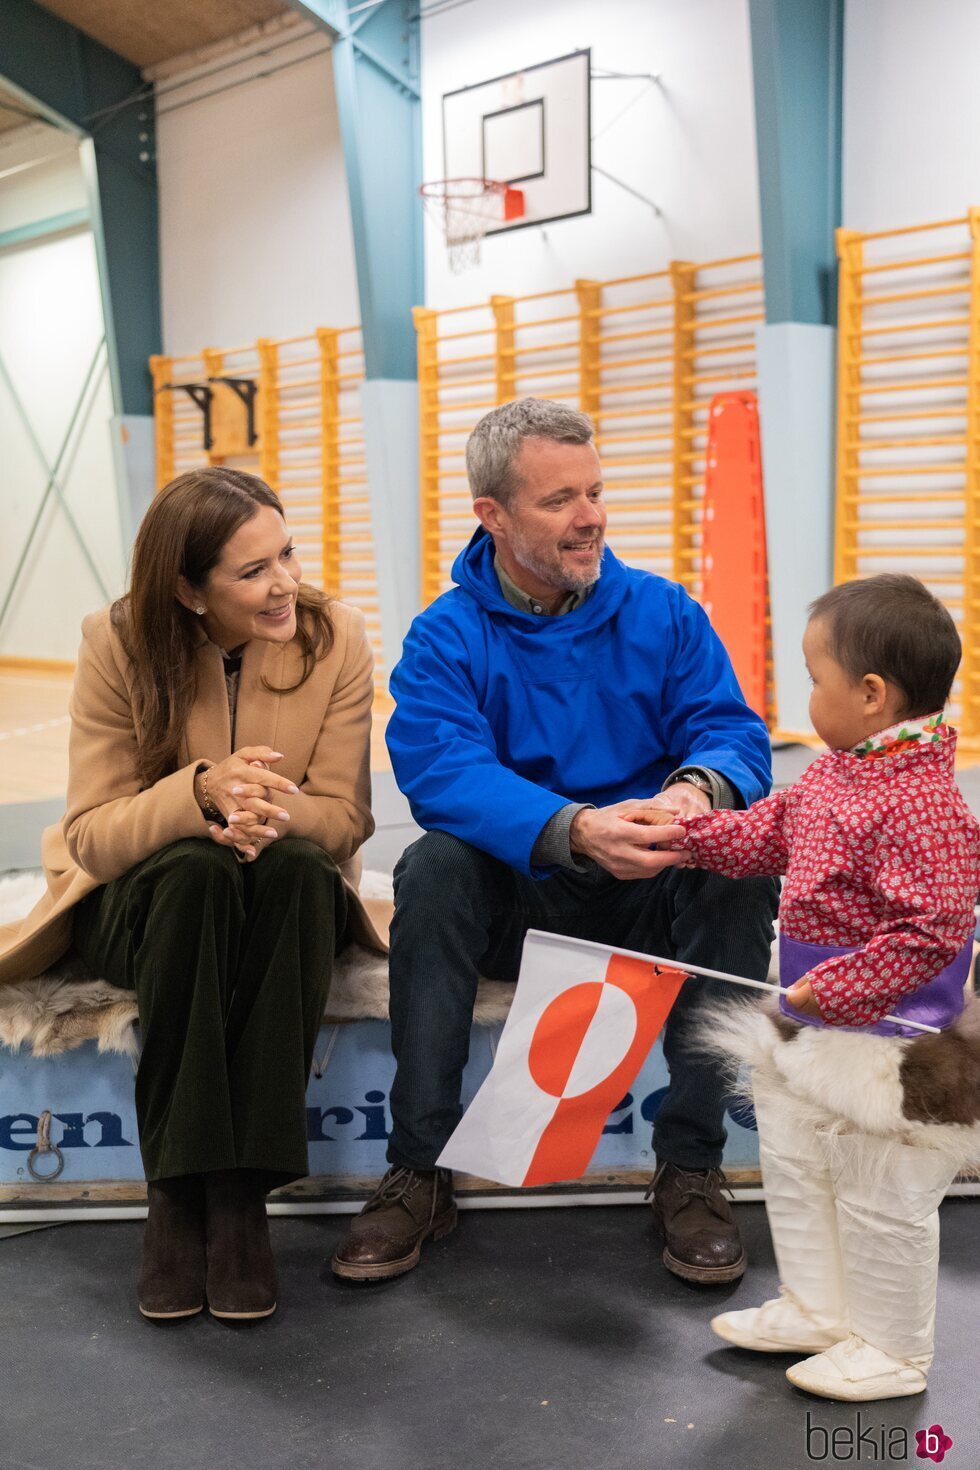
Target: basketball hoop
x=464, y=209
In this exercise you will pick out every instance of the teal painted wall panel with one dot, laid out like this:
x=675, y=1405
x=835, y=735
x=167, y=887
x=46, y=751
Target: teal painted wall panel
x=376, y=75
x=797, y=67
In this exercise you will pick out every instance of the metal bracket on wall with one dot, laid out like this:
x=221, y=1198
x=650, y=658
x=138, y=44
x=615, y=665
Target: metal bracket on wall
x=246, y=388
x=644, y=198
x=201, y=394
x=603, y=74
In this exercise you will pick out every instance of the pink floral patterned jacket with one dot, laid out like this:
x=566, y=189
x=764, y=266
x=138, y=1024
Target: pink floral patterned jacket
x=882, y=853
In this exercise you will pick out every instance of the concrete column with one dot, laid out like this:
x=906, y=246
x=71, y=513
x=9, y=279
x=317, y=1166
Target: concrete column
x=797, y=67
x=797, y=385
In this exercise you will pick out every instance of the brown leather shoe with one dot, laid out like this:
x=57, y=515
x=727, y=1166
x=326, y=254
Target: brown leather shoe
x=171, y=1282
x=242, y=1282
x=408, y=1207
x=701, y=1240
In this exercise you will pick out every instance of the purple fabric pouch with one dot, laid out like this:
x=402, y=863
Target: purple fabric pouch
x=937, y=1003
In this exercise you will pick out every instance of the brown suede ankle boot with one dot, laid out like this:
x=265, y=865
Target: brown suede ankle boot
x=241, y=1280
x=171, y=1282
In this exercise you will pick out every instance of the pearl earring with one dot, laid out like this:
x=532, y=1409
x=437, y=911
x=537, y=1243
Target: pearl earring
x=200, y=611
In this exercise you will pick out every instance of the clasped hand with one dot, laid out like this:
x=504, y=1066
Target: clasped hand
x=248, y=805
x=614, y=837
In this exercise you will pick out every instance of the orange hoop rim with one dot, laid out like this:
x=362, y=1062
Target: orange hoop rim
x=440, y=190
x=466, y=208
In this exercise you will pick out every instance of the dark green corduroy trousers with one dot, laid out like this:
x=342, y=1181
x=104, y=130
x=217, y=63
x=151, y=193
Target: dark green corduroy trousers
x=231, y=965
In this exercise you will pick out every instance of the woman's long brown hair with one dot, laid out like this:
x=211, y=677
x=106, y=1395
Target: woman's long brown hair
x=183, y=534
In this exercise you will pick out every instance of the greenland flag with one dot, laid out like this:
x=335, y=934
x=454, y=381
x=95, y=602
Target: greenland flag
x=581, y=1024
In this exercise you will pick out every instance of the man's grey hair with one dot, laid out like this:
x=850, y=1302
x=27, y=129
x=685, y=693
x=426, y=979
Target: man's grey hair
x=494, y=445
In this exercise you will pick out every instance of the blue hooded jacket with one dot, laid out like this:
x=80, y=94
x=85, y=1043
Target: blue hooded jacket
x=503, y=717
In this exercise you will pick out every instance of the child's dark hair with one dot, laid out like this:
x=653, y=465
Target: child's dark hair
x=891, y=625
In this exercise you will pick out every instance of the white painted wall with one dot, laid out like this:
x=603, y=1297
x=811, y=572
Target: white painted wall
x=688, y=143
x=51, y=325
x=911, y=111
x=255, y=229
x=255, y=223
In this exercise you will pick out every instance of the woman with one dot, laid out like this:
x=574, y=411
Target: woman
x=218, y=776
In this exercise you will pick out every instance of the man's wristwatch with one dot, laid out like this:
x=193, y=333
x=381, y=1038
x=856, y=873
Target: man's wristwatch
x=695, y=778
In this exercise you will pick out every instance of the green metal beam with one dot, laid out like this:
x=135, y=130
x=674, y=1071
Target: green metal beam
x=397, y=74
x=77, y=84
x=330, y=15
x=43, y=229
x=376, y=76
x=797, y=68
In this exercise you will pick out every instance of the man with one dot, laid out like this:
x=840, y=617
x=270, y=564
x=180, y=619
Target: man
x=551, y=690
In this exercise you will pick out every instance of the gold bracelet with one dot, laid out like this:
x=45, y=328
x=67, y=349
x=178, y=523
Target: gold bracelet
x=208, y=807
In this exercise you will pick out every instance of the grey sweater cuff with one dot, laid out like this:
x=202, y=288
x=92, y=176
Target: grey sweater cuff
x=722, y=791
x=552, y=847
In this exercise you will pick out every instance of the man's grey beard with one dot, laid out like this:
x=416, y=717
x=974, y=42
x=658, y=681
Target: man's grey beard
x=553, y=572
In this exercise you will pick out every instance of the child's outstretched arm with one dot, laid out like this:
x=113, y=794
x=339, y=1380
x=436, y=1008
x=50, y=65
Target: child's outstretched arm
x=748, y=844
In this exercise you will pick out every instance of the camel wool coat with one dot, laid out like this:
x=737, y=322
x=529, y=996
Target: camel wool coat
x=322, y=728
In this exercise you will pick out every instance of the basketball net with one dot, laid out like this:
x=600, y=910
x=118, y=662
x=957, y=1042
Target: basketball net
x=464, y=209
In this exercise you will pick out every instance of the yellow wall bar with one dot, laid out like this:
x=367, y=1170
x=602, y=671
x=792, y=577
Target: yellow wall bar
x=849, y=257
x=505, y=359
x=268, y=412
x=860, y=492
x=683, y=275
x=328, y=343
x=163, y=418
x=589, y=354
x=426, y=326
x=214, y=361
x=970, y=672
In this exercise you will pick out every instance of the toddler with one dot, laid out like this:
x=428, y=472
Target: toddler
x=863, y=1123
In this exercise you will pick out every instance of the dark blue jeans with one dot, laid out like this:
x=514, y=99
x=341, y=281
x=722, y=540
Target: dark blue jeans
x=460, y=914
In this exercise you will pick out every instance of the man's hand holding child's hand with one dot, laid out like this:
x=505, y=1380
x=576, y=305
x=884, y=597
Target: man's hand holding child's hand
x=661, y=813
x=658, y=813
x=604, y=835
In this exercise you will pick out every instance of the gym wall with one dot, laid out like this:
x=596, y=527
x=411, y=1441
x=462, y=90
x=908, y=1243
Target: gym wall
x=254, y=220
x=911, y=112
x=688, y=143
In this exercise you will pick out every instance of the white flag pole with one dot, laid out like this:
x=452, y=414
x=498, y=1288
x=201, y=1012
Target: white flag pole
x=738, y=980
x=768, y=985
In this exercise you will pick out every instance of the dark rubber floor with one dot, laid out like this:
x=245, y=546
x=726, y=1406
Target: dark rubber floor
x=536, y=1339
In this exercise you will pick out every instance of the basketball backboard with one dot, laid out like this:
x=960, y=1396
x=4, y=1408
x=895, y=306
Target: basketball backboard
x=531, y=129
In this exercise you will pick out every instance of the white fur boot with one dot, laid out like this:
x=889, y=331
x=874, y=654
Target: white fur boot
x=888, y=1195
x=809, y=1312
